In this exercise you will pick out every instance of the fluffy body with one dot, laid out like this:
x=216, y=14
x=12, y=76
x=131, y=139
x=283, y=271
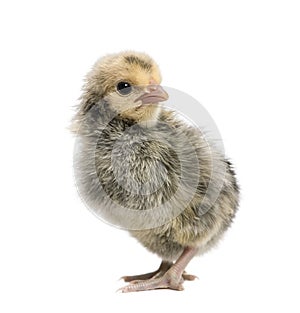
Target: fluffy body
x=131, y=158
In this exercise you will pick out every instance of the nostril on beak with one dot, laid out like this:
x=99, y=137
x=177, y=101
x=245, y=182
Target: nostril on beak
x=151, y=88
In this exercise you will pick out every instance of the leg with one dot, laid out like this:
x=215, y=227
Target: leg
x=172, y=279
x=164, y=266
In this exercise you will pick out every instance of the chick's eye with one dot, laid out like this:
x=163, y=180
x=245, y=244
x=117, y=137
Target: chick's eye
x=124, y=88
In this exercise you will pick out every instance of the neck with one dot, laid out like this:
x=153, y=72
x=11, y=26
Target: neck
x=146, y=115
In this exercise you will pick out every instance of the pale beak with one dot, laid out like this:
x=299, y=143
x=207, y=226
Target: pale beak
x=153, y=94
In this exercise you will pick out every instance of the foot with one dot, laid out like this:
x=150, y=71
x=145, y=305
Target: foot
x=170, y=280
x=164, y=266
x=168, y=276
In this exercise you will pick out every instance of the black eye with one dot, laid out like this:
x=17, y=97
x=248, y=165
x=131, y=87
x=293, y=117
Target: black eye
x=124, y=88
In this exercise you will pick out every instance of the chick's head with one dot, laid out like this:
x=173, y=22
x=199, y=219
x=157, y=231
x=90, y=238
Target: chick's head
x=129, y=82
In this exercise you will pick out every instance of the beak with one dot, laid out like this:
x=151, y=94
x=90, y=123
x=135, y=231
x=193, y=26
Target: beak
x=153, y=94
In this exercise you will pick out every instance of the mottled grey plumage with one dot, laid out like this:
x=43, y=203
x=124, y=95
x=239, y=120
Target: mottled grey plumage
x=126, y=167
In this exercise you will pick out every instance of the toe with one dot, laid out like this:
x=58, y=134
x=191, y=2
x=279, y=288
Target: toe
x=151, y=284
x=189, y=277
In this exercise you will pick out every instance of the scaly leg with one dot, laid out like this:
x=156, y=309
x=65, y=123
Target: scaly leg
x=172, y=279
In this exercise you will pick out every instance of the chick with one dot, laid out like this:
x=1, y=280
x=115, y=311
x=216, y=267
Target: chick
x=179, y=194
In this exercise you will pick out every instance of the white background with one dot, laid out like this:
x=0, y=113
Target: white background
x=240, y=59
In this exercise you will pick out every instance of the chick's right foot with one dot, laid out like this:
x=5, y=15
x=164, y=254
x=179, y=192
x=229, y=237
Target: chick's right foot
x=164, y=267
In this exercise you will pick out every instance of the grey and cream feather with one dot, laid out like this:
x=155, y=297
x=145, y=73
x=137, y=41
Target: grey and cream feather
x=144, y=169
